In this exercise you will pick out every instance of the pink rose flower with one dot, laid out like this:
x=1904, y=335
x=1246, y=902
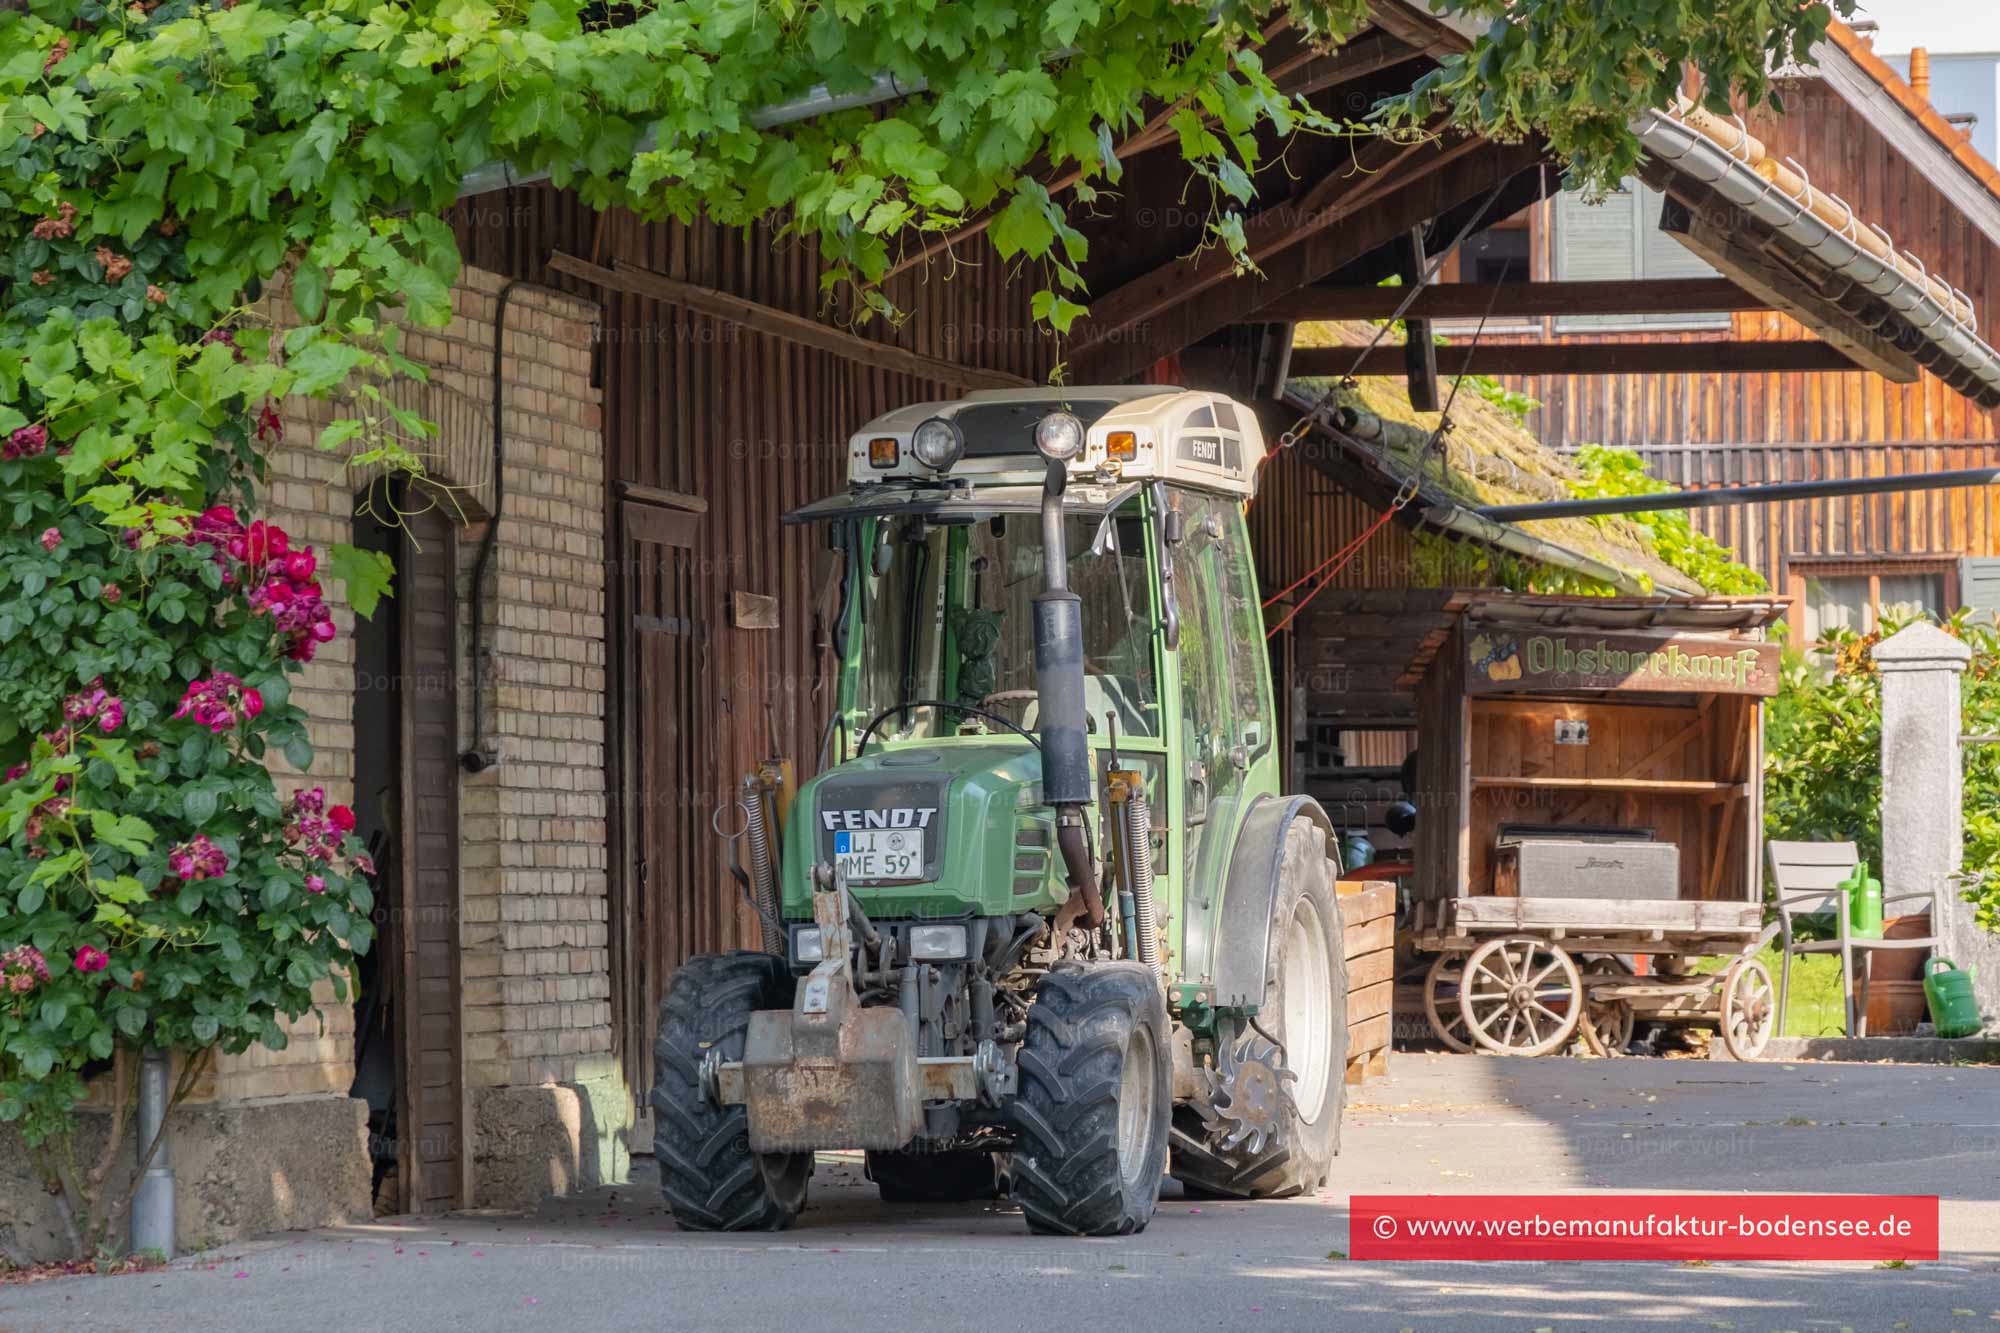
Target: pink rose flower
x=341, y=818
x=90, y=958
x=51, y=538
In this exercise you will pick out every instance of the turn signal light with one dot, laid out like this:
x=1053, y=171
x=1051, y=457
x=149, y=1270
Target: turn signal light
x=883, y=452
x=1121, y=444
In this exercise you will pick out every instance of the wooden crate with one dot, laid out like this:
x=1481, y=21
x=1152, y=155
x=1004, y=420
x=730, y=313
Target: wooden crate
x=1368, y=924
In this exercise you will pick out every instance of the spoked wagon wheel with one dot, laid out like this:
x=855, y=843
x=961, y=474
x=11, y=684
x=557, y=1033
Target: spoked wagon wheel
x=1749, y=1004
x=1521, y=996
x=1611, y=1021
x=1441, y=987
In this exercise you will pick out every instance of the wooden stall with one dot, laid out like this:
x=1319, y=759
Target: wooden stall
x=1589, y=775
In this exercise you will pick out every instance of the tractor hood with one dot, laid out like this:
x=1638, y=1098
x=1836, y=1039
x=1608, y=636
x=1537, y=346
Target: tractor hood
x=943, y=828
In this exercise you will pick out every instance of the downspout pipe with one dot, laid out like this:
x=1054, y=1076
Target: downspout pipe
x=153, y=1200
x=1695, y=155
x=1738, y=495
x=478, y=756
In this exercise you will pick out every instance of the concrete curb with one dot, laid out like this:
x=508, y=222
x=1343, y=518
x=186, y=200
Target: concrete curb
x=1893, y=1050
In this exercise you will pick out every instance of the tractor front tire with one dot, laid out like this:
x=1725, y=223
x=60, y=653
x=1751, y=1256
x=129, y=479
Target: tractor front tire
x=1096, y=1090
x=1305, y=1008
x=958, y=1176
x=711, y=1179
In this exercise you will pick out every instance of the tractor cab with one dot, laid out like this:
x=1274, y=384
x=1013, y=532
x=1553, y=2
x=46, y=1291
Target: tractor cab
x=1045, y=813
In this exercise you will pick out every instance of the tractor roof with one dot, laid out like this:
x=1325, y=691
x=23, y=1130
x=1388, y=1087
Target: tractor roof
x=1182, y=435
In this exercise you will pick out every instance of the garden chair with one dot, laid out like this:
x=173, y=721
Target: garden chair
x=1806, y=877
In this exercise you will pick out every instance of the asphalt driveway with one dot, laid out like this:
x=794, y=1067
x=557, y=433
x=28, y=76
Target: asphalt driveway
x=1443, y=1124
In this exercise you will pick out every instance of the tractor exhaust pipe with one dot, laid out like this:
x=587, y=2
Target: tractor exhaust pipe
x=1059, y=670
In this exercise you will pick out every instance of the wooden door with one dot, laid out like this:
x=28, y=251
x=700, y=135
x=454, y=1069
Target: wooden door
x=666, y=894
x=432, y=1120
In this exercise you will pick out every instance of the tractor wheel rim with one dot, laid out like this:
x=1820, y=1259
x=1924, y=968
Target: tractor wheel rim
x=1135, y=1108
x=1308, y=988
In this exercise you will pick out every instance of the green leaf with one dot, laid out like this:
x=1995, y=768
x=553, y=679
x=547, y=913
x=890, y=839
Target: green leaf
x=199, y=805
x=128, y=833
x=298, y=752
x=367, y=576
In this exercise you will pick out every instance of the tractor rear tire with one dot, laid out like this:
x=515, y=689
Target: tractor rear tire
x=1096, y=1089
x=711, y=1179
x=1305, y=1008
x=958, y=1176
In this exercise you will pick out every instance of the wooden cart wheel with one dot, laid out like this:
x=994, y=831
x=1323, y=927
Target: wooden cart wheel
x=1749, y=1004
x=1441, y=988
x=1611, y=1021
x=1521, y=996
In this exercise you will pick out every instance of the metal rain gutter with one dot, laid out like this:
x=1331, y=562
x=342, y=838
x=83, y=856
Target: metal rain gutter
x=1737, y=495
x=818, y=101
x=1448, y=515
x=1475, y=525
x=1701, y=158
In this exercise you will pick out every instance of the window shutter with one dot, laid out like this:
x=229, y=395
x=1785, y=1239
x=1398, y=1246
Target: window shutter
x=1979, y=582
x=1620, y=240
x=1596, y=243
x=1660, y=255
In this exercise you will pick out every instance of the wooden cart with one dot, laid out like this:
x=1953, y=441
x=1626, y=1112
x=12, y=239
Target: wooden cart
x=1543, y=717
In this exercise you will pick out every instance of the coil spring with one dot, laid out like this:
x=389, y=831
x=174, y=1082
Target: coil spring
x=763, y=874
x=1138, y=855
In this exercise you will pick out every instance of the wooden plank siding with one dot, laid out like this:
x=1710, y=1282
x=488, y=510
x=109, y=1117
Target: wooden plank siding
x=753, y=426
x=1846, y=154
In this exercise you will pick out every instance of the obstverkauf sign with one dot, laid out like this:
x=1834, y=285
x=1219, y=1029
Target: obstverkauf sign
x=1507, y=660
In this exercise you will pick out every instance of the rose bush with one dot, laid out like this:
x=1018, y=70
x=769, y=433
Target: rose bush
x=154, y=886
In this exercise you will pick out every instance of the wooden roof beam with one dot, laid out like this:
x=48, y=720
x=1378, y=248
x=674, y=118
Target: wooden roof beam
x=1301, y=74
x=1193, y=314
x=1377, y=169
x=760, y=318
x=1518, y=300
x=1597, y=357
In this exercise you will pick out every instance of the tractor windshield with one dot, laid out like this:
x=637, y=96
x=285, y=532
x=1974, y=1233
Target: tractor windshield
x=946, y=612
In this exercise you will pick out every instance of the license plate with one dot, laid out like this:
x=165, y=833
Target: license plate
x=880, y=854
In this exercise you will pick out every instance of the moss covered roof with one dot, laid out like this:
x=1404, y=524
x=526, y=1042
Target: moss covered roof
x=1490, y=458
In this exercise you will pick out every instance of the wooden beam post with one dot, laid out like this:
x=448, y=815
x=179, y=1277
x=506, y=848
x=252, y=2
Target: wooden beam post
x=778, y=323
x=1419, y=351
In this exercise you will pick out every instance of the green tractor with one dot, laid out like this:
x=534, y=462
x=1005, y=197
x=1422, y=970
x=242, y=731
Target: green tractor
x=1044, y=918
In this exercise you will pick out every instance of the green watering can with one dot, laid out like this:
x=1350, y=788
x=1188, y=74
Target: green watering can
x=1864, y=904
x=1954, y=1011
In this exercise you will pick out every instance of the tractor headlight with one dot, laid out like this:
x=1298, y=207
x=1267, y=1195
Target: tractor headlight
x=937, y=943
x=807, y=945
x=1059, y=437
x=937, y=444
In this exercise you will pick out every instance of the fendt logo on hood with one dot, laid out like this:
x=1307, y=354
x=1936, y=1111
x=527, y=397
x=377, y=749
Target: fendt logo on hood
x=901, y=816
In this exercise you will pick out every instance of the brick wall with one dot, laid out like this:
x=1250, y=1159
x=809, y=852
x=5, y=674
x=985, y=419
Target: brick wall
x=535, y=958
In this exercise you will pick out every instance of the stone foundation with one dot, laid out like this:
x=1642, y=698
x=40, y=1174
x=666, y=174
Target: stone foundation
x=240, y=1169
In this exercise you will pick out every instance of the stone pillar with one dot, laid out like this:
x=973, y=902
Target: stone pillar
x=1923, y=792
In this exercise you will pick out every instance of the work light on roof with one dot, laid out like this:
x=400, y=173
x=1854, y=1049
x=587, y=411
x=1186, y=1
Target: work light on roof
x=1059, y=437
x=937, y=443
